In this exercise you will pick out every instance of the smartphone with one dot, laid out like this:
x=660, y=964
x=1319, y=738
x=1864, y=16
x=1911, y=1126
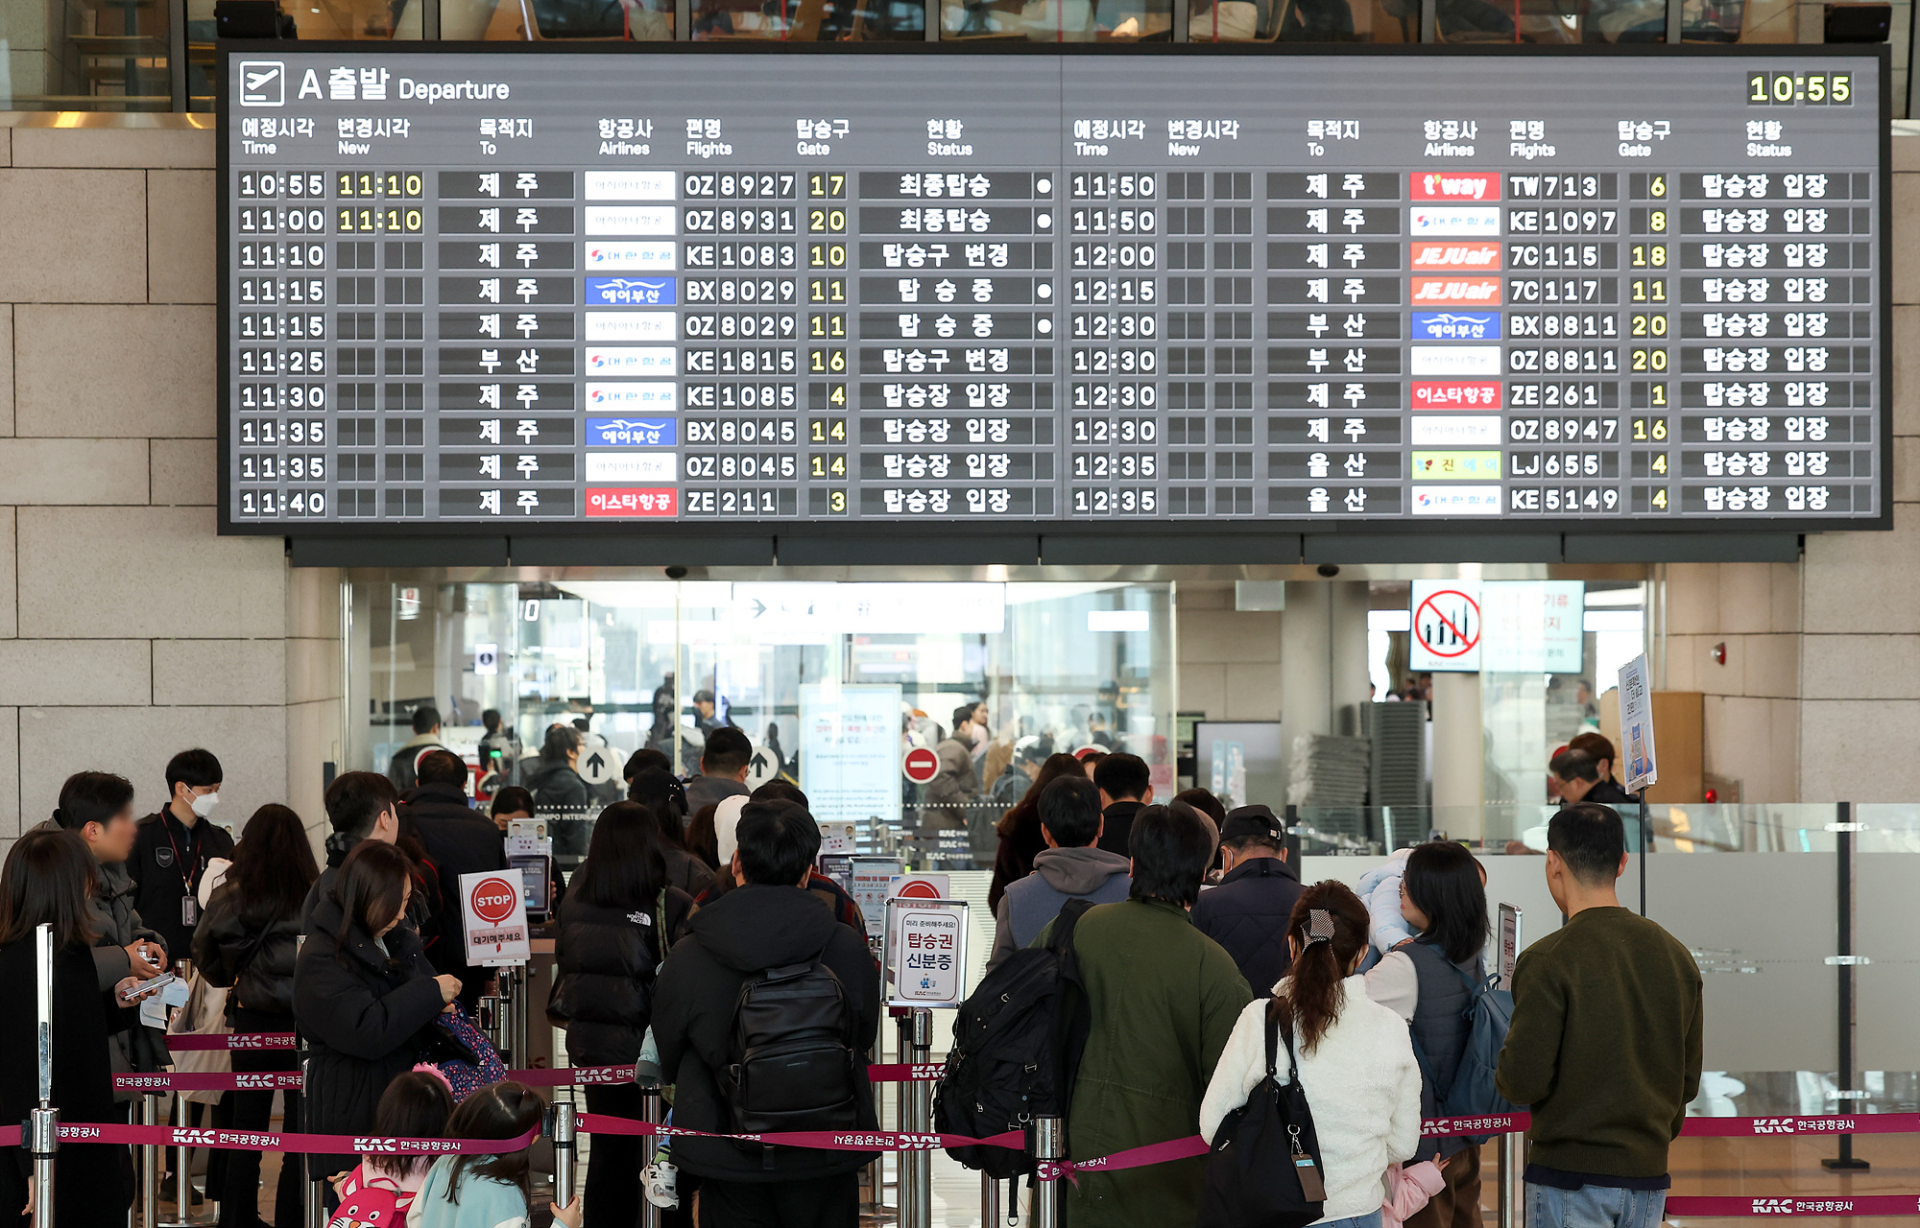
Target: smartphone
x=158, y=982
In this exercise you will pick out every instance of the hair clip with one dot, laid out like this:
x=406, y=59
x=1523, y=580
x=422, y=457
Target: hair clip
x=1319, y=926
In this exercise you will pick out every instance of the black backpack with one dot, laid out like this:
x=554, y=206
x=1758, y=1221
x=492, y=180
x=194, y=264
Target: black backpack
x=1263, y=1169
x=792, y=1059
x=1017, y=1043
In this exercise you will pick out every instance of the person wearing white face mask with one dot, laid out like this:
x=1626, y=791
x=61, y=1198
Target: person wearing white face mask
x=174, y=845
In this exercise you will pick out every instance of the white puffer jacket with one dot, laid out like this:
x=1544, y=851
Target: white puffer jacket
x=1362, y=1084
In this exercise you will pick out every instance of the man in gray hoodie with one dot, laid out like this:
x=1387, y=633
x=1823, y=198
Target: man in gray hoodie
x=1071, y=867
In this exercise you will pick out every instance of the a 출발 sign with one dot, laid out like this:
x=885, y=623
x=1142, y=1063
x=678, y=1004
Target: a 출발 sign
x=493, y=917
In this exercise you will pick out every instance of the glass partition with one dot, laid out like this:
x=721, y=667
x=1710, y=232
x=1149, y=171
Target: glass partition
x=831, y=682
x=1057, y=21
x=76, y=55
x=116, y=55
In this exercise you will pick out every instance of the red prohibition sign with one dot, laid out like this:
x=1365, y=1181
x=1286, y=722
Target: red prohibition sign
x=1464, y=643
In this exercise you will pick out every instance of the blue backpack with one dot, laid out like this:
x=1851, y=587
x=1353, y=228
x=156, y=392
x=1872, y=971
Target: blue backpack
x=1473, y=1092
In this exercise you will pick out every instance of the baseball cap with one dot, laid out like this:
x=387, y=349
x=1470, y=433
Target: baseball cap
x=1252, y=821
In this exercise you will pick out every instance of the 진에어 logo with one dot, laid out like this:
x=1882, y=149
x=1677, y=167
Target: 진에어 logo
x=493, y=900
x=1479, y=291
x=1456, y=185
x=1450, y=256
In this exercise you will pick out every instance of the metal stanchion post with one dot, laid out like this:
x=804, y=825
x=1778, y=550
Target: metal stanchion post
x=517, y=1024
x=150, y=1164
x=646, y=1076
x=1049, y=1143
x=490, y=1014
x=1513, y=1181
x=989, y=1201
x=43, y=1123
x=182, y=1167
x=876, y=1177
x=563, y=1152
x=903, y=1121
x=313, y=1206
x=920, y=1095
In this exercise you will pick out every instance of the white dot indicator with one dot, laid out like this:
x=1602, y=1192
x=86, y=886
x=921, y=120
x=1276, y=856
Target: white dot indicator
x=1046, y=289
x=1045, y=220
x=1046, y=324
x=1043, y=187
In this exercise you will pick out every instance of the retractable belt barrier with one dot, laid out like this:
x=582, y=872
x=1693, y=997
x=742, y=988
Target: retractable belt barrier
x=191, y=1042
x=566, y=1076
x=1860, y=1204
x=910, y=1141
x=812, y=1140
x=267, y=1140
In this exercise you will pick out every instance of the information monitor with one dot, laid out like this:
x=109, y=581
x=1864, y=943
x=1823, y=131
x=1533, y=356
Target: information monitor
x=502, y=287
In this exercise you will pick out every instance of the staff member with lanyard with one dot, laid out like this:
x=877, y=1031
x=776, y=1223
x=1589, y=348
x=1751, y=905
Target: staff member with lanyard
x=172, y=849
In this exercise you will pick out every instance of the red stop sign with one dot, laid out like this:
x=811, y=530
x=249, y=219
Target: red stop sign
x=492, y=900
x=920, y=765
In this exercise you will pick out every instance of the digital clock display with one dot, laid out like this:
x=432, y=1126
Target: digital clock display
x=1780, y=88
x=558, y=289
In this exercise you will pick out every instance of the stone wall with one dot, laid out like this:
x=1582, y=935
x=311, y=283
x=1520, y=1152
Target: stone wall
x=1820, y=697
x=128, y=628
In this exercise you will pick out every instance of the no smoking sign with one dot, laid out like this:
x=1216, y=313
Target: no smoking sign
x=1446, y=627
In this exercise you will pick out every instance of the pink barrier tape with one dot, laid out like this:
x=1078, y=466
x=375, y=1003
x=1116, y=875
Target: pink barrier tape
x=571, y=1076
x=588, y=1076
x=195, y=1042
x=1133, y=1157
x=211, y=1081
x=261, y=1140
x=1493, y=1123
x=904, y=1072
x=815, y=1140
x=564, y=1076
x=1860, y=1204
x=1844, y=1123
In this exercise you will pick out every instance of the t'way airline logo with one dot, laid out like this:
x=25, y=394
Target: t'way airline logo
x=1480, y=291
x=1456, y=256
x=1444, y=185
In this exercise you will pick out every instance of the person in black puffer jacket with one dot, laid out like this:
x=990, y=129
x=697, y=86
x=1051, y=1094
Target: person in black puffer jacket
x=617, y=910
x=767, y=922
x=1247, y=913
x=246, y=942
x=364, y=995
x=1443, y=896
x=458, y=840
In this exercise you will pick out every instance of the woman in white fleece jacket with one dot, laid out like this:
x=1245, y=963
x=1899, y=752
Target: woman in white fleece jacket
x=1356, y=1063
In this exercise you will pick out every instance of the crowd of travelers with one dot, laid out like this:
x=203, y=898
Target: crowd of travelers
x=699, y=940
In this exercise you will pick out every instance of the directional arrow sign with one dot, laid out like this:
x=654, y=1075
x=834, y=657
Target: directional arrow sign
x=599, y=764
x=762, y=767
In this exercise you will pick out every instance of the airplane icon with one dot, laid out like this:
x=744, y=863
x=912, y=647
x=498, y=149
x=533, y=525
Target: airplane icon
x=263, y=83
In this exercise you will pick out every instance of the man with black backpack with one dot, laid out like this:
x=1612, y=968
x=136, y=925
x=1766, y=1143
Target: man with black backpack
x=764, y=1014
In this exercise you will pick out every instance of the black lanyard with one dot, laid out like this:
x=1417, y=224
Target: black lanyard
x=186, y=874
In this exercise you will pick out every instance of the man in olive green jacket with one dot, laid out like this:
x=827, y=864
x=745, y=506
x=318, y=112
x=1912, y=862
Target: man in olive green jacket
x=1164, y=998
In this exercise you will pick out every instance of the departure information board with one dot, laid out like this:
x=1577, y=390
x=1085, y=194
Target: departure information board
x=524, y=286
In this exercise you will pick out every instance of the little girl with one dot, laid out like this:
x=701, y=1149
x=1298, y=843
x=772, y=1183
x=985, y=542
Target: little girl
x=377, y=1194
x=476, y=1191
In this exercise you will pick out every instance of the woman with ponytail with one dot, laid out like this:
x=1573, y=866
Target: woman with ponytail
x=1355, y=1061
